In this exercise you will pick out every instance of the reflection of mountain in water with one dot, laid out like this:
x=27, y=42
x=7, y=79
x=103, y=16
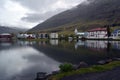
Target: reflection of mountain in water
x=88, y=51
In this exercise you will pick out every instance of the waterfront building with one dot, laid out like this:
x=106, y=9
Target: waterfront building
x=42, y=35
x=26, y=36
x=97, y=33
x=116, y=34
x=53, y=36
x=5, y=36
x=80, y=34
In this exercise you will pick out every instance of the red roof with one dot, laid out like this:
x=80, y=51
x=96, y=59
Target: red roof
x=98, y=29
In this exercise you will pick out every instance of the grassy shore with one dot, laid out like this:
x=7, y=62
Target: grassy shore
x=92, y=69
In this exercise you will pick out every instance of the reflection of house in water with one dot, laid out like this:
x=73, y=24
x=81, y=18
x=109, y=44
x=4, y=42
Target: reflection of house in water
x=79, y=43
x=5, y=44
x=26, y=43
x=96, y=45
x=54, y=41
x=115, y=44
x=42, y=42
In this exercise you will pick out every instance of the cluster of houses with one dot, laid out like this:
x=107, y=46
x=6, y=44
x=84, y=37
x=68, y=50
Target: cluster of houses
x=98, y=33
x=38, y=35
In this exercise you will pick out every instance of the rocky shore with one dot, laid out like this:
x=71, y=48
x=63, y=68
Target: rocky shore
x=105, y=70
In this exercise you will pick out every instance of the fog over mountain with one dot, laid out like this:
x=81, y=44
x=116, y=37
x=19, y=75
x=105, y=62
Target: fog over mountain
x=93, y=10
x=4, y=29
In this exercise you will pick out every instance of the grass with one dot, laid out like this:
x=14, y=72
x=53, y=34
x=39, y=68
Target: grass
x=94, y=68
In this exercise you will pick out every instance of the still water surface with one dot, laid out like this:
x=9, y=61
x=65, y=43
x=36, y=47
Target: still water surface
x=21, y=60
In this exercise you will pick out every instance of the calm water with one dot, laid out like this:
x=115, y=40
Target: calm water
x=21, y=60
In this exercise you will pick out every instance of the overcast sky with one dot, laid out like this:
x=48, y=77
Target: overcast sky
x=28, y=13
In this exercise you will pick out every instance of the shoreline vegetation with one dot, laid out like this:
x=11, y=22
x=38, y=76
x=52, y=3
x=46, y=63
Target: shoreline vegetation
x=86, y=70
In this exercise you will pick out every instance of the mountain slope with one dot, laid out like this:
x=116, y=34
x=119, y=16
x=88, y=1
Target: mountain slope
x=103, y=11
x=9, y=30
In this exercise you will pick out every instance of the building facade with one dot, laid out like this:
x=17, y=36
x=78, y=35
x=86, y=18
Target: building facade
x=116, y=34
x=42, y=35
x=97, y=33
x=5, y=36
x=80, y=34
x=53, y=36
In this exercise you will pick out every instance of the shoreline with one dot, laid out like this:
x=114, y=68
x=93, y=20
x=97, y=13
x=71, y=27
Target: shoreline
x=95, y=69
x=106, y=75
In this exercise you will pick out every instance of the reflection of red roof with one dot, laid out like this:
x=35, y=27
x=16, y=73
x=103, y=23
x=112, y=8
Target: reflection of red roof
x=98, y=29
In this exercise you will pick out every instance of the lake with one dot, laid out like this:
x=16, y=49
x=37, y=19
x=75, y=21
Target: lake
x=21, y=60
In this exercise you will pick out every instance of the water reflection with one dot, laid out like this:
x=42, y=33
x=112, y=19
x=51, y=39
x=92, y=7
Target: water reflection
x=22, y=63
x=98, y=45
x=29, y=43
x=54, y=41
x=26, y=43
x=115, y=44
x=43, y=42
x=79, y=43
x=23, y=59
x=5, y=44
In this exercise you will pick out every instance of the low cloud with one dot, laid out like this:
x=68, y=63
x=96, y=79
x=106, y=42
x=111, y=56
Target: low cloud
x=39, y=17
x=44, y=9
x=28, y=13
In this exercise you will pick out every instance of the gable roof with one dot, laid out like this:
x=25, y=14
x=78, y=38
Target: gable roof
x=97, y=29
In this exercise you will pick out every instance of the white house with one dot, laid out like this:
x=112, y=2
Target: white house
x=54, y=41
x=25, y=35
x=97, y=33
x=53, y=36
x=116, y=34
x=80, y=34
x=22, y=35
x=42, y=35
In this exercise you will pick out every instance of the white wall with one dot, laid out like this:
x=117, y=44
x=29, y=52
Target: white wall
x=53, y=35
x=97, y=34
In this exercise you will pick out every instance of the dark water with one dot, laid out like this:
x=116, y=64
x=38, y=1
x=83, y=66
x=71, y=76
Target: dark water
x=21, y=60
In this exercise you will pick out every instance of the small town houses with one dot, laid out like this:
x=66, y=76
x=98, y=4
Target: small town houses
x=5, y=36
x=26, y=36
x=37, y=35
x=95, y=33
x=98, y=33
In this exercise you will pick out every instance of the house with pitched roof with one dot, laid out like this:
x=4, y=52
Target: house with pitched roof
x=97, y=33
x=80, y=34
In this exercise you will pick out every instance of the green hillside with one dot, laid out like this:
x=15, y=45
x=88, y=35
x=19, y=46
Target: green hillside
x=96, y=13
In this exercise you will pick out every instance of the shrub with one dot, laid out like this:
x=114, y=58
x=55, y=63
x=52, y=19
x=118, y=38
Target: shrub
x=66, y=67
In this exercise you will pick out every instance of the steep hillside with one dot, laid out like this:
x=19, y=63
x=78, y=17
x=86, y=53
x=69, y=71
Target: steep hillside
x=95, y=13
